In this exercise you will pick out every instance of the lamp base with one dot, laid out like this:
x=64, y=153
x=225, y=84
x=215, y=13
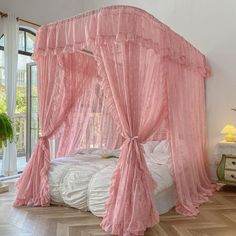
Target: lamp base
x=229, y=138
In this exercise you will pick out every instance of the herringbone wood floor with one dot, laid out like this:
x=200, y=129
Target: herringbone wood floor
x=217, y=218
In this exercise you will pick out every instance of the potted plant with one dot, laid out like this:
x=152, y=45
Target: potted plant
x=6, y=134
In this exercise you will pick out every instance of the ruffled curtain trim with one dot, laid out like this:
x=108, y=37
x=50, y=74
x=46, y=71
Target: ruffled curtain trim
x=34, y=188
x=118, y=24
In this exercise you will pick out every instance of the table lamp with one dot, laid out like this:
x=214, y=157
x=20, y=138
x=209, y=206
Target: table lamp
x=229, y=130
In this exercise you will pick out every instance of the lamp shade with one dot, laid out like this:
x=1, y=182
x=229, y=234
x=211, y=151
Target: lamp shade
x=228, y=129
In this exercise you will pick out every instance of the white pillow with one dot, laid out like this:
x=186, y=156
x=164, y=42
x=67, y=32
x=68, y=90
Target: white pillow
x=107, y=152
x=162, y=146
x=159, y=154
x=160, y=158
x=150, y=146
x=86, y=151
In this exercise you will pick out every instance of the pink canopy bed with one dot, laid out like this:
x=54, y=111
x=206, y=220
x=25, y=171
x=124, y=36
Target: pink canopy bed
x=140, y=81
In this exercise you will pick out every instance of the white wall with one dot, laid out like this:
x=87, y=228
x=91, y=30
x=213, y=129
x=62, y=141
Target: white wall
x=208, y=24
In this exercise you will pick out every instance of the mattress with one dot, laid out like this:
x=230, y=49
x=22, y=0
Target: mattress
x=83, y=180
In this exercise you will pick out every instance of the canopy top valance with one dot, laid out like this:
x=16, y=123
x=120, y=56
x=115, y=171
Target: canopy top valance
x=117, y=24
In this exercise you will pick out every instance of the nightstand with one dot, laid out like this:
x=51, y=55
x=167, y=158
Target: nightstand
x=226, y=167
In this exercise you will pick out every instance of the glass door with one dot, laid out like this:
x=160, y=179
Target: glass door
x=32, y=109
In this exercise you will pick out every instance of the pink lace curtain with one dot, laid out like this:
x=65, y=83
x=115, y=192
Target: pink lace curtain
x=133, y=79
x=58, y=93
x=89, y=124
x=149, y=76
x=187, y=124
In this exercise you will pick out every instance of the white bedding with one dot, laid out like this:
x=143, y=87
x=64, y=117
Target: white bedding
x=83, y=181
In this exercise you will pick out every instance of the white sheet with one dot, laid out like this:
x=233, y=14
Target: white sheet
x=83, y=182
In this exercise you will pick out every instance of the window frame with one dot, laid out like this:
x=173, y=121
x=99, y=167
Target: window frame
x=25, y=52
x=29, y=110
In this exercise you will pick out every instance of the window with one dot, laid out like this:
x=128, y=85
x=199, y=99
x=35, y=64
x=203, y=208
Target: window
x=26, y=46
x=32, y=109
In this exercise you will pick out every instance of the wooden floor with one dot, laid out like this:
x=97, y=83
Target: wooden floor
x=217, y=218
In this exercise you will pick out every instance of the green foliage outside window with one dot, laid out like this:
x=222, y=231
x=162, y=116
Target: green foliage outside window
x=20, y=100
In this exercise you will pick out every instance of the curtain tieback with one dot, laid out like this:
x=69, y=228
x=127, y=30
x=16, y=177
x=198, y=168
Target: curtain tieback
x=43, y=142
x=132, y=138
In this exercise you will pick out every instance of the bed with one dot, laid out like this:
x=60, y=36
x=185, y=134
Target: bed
x=83, y=180
x=148, y=75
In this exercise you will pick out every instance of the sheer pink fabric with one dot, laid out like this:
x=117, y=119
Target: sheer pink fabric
x=186, y=102
x=150, y=76
x=90, y=124
x=58, y=93
x=129, y=82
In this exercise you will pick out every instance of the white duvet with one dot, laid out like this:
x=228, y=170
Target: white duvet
x=83, y=180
